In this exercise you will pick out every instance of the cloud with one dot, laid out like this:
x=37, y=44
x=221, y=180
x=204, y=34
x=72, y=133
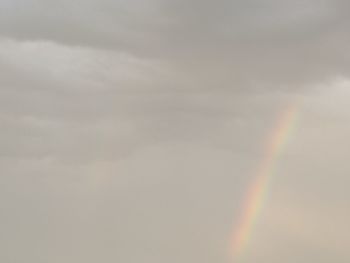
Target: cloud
x=107, y=102
x=240, y=43
x=131, y=129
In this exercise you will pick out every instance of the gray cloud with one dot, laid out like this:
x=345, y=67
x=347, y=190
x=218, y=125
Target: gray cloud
x=130, y=131
x=248, y=42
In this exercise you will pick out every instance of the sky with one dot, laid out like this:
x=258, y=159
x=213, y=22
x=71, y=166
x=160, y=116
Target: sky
x=132, y=130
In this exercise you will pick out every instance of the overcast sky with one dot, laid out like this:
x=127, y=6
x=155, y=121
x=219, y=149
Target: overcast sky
x=131, y=130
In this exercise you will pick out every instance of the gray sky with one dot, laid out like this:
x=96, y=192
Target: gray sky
x=130, y=130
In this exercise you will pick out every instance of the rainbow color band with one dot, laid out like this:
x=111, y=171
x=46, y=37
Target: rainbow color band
x=257, y=191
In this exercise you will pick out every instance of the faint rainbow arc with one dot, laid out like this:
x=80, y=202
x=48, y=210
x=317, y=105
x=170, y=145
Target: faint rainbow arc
x=256, y=193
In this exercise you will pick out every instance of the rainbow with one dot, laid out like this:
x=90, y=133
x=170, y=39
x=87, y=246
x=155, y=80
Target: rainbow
x=257, y=191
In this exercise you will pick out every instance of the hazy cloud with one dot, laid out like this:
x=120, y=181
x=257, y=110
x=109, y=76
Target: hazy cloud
x=130, y=130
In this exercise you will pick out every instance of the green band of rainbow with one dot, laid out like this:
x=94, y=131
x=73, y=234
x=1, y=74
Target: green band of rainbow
x=257, y=191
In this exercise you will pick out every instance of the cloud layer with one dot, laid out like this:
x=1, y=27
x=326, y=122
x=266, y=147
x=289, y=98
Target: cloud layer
x=130, y=130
